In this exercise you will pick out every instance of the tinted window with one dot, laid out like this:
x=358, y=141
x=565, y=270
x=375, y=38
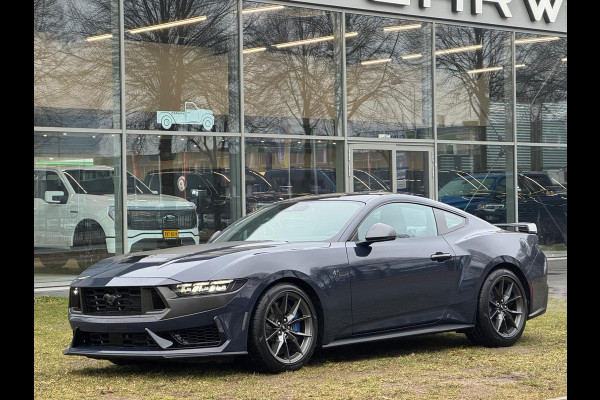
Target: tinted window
x=408, y=220
x=453, y=221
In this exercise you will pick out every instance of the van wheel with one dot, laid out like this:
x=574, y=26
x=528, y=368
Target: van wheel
x=55, y=260
x=89, y=243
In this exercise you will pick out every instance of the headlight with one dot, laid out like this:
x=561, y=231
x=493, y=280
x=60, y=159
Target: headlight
x=74, y=298
x=208, y=287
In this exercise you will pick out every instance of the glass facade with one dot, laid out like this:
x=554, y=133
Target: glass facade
x=157, y=124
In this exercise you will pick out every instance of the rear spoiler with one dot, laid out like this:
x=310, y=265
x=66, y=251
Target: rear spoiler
x=525, y=227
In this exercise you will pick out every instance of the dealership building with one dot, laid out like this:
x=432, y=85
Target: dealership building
x=159, y=123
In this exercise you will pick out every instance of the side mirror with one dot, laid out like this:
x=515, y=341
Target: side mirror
x=199, y=193
x=214, y=235
x=55, y=196
x=379, y=232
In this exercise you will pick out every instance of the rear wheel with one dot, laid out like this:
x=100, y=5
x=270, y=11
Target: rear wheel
x=53, y=260
x=501, y=311
x=283, y=329
x=89, y=243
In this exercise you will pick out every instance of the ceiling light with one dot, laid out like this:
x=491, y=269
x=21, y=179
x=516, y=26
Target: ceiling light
x=151, y=27
x=537, y=39
x=377, y=61
x=401, y=28
x=459, y=49
x=261, y=9
x=254, y=50
x=98, y=37
x=520, y=65
x=169, y=24
x=488, y=69
x=411, y=56
x=563, y=59
x=312, y=40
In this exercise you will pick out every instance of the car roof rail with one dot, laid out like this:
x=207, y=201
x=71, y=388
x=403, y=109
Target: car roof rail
x=525, y=227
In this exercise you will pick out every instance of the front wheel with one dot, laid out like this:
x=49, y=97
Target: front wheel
x=283, y=329
x=501, y=311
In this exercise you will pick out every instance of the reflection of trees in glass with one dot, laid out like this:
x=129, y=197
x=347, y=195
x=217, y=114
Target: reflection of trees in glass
x=190, y=62
x=469, y=98
x=289, y=89
x=73, y=78
x=541, y=89
x=391, y=94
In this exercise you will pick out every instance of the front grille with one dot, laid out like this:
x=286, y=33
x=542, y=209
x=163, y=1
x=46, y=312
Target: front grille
x=120, y=300
x=144, y=220
x=198, y=337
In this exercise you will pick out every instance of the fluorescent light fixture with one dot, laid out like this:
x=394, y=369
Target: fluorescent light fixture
x=520, y=65
x=377, y=61
x=459, y=49
x=152, y=27
x=401, y=27
x=98, y=37
x=537, y=39
x=411, y=56
x=312, y=40
x=261, y=9
x=169, y=24
x=488, y=69
x=254, y=50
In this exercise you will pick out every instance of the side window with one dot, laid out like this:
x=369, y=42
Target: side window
x=453, y=221
x=407, y=219
x=46, y=181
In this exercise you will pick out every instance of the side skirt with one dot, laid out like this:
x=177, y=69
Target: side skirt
x=397, y=334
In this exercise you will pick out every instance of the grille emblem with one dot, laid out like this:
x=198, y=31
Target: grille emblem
x=169, y=218
x=111, y=299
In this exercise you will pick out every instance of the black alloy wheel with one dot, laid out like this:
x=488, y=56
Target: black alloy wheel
x=283, y=329
x=502, y=311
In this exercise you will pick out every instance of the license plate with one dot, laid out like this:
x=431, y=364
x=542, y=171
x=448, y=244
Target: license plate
x=171, y=234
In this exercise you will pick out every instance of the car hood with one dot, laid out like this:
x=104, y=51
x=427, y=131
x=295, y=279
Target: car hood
x=179, y=264
x=146, y=201
x=461, y=202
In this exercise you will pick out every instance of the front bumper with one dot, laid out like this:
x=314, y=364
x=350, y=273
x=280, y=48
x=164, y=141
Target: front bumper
x=199, y=326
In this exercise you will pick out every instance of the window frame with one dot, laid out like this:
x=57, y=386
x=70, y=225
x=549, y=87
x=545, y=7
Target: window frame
x=441, y=221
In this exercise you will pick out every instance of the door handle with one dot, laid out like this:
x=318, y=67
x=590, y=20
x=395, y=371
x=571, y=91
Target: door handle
x=440, y=257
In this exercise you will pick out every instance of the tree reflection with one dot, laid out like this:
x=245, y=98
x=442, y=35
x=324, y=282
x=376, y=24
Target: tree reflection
x=388, y=77
x=473, y=78
x=290, y=88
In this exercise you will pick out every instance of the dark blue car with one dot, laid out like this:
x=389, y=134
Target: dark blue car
x=313, y=272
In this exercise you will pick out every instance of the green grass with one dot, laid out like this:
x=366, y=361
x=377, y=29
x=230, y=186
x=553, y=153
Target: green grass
x=439, y=366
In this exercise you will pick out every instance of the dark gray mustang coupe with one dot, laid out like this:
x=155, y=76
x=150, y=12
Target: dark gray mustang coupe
x=313, y=272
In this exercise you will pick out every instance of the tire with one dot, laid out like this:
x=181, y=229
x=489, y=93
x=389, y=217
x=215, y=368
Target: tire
x=166, y=122
x=208, y=122
x=56, y=260
x=89, y=243
x=275, y=343
x=501, y=311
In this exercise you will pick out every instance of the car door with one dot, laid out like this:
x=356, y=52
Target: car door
x=403, y=282
x=51, y=218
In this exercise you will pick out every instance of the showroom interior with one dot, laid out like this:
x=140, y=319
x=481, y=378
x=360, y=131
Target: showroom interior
x=157, y=124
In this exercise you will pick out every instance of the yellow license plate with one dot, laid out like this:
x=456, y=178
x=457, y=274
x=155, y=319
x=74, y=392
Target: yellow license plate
x=170, y=234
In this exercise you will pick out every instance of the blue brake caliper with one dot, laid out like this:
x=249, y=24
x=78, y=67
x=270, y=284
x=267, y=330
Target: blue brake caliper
x=296, y=325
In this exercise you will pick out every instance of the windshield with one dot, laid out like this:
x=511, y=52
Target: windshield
x=101, y=182
x=303, y=221
x=466, y=186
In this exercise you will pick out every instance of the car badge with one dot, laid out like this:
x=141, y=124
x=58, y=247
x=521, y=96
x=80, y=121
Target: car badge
x=169, y=218
x=111, y=299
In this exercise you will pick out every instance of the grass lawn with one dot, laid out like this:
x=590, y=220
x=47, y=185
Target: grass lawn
x=439, y=366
